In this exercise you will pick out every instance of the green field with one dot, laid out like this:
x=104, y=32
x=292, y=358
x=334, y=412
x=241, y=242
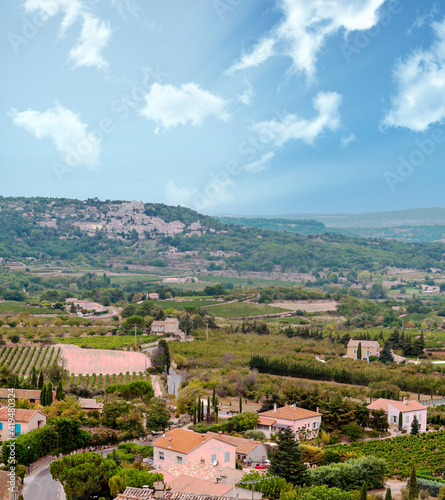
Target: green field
x=242, y=310
x=106, y=342
x=17, y=307
x=170, y=304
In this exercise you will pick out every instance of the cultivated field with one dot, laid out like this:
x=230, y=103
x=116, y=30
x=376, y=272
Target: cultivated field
x=22, y=360
x=242, y=310
x=88, y=361
x=305, y=306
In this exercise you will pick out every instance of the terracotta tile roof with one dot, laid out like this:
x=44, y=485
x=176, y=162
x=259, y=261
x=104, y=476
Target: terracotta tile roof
x=146, y=494
x=383, y=404
x=195, y=486
x=365, y=343
x=266, y=421
x=243, y=446
x=290, y=413
x=201, y=470
x=181, y=440
x=20, y=415
x=90, y=404
x=21, y=393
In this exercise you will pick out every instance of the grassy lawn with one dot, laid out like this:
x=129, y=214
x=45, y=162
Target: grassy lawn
x=241, y=310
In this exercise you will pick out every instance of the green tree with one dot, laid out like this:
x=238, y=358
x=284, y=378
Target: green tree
x=386, y=355
x=158, y=416
x=400, y=420
x=388, y=495
x=43, y=396
x=413, y=489
x=241, y=404
x=59, y=394
x=33, y=381
x=359, y=351
x=41, y=380
x=84, y=475
x=364, y=492
x=415, y=426
x=379, y=421
x=163, y=344
x=286, y=461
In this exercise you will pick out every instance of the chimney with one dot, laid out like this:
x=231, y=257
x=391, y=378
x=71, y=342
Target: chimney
x=317, y=410
x=275, y=407
x=405, y=401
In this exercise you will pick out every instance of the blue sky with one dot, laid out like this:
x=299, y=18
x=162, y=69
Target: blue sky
x=226, y=106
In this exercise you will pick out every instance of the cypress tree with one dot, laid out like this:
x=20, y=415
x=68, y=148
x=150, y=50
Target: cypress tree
x=60, y=394
x=33, y=382
x=413, y=489
x=359, y=351
x=208, y=410
x=388, y=495
x=240, y=404
x=400, y=420
x=214, y=397
x=41, y=380
x=43, y=396
x=364, y=492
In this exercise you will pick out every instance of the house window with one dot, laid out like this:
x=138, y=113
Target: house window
x=227, y=456
x=213, y=458
x=419, y=417
x=366, y=353
x=394, y=419
x=314, y=425
x=407, y=419
x=355, y=351
x=161, y=455
x=1, y=426
x=17, y=429
x=179, y=460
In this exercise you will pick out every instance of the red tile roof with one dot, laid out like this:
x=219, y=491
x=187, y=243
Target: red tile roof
x=20, y=415
x=181, y=440
x=383, y=404
x=290, y=413
x=243, y=446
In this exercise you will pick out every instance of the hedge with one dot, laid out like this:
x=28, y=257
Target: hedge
x=433, y=487
x=351, y=475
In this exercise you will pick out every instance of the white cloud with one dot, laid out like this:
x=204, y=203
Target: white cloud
x=293, y=127
x=170, y=106
x=260, y=164
x=420, y=80
x=304, y=29
x=346, y=140
x=70, y=136
x=93, y=39
x=248, y=94
x=94, y=34
x=71, y=10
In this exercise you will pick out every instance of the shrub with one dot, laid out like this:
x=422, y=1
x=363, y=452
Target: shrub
x=351, y=475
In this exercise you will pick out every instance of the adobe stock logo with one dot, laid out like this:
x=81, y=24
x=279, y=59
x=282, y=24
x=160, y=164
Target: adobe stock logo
x=416, y=158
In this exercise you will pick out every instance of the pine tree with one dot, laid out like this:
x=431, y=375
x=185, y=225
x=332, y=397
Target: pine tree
x=388, y=495
x=41, y=380
x=359, y=351
x=73, y=308
x=413, y=489
x=400, y=420
x=60, y=394
x=287, y=461
x=364, y=492
x=415, y=426
x=386, y=355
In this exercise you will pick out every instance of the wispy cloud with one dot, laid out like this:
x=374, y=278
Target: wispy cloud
x=260, y=164
x=346, y=140
x=304, y=29
x=308, y=130
x=420, y=80
x=248, y=94
x=170, y=106
x=72, y=140
x=94, y=35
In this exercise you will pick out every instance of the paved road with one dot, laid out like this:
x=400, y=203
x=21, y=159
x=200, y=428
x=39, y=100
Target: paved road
x=173, y=381
x=41, y=486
